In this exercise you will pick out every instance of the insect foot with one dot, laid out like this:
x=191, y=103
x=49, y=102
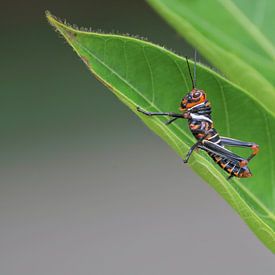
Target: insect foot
x=144, y=112
x=256, y=149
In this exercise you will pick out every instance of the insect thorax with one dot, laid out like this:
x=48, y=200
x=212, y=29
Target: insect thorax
x=202, y=109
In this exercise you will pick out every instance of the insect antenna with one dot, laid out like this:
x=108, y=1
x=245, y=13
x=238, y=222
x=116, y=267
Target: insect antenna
x=193, y=85
x=195, y=68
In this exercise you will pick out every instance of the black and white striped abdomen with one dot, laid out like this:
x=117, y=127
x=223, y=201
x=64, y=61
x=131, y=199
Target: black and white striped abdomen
x=230, y=166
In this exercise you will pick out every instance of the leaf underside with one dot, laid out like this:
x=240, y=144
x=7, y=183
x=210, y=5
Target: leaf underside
x=142, y=74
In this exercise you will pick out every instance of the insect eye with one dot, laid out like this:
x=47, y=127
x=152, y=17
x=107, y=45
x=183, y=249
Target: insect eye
x=196, y=94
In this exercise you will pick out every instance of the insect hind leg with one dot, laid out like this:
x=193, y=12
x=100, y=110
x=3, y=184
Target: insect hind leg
x=229, y=161
x=238, y=143
x=221, y=151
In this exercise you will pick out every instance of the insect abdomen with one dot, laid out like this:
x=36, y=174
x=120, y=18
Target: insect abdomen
x=231, y=167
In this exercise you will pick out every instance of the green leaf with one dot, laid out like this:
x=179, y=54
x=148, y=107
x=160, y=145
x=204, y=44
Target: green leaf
x=237, y=37
x=142, y=74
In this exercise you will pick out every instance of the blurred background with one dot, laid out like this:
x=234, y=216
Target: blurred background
x=82, y=192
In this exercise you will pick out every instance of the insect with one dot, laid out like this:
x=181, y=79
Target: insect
x=197, y=110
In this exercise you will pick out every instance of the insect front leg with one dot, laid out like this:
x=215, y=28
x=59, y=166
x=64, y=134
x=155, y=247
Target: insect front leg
x=171, y=120
x=239, y=143
x=171, y=114
x=174, y=116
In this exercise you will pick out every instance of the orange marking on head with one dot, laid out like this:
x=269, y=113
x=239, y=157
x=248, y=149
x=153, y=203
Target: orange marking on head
x=192, y=99
x=192, y=104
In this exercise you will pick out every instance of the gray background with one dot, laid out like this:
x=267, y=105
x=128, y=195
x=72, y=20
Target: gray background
x=86, y=193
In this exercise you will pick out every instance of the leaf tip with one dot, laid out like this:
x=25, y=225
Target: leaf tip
x=61, y=26
x=51, y=18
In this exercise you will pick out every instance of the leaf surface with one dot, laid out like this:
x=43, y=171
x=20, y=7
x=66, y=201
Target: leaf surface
x=237, y=37
x=142, y=74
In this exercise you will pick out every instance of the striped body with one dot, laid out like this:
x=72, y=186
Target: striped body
x=197, y=109
x=231, y=167
x=199, y=122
